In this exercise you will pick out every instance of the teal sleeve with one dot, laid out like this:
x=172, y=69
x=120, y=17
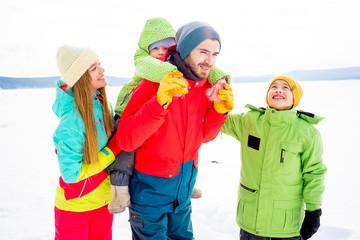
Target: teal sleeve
x=68, y=144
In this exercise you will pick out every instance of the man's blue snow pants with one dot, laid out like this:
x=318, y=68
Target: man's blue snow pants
x=161, y=226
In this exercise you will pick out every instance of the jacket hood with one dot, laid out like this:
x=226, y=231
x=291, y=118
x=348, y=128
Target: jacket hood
x=154, y=30
x=64, y=101
x=308, y=117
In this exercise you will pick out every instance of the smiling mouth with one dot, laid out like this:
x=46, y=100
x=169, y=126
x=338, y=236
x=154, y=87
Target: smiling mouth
x=205, y=68
x=278, y=97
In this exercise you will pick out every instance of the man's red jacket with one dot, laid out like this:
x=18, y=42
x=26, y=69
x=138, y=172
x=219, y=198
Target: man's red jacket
x=166, y=138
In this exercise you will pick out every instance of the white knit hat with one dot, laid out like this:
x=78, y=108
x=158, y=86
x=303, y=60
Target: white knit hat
x=73, y=62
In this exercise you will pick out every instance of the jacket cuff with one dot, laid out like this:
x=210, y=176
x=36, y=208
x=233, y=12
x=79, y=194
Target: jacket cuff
x=155, y=108
x=312, y=207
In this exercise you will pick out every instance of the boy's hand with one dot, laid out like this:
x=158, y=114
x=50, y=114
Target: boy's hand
x=311, y=224
x=227, y=97
x=171, y=85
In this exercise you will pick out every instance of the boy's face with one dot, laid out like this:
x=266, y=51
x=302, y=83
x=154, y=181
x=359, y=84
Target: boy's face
x=158, y=52
x=280, y=96
x=203, y=58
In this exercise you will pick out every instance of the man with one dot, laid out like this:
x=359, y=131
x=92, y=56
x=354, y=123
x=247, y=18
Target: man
x=167, y=123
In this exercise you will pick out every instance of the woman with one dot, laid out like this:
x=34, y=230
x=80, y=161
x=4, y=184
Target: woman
x=85, y=126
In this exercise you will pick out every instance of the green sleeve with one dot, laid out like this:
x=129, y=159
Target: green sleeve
x=233, y=125
x=125, y=95
x=313, y=173
x=217, y=74
x=150, y=68
x=146, y=67
x=106, y=157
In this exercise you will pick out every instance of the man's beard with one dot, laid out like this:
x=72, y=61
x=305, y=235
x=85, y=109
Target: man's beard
x=192, y=66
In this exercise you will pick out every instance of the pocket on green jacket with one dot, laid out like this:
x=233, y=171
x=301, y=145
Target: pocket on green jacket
x=287, y=215
x=246, y=209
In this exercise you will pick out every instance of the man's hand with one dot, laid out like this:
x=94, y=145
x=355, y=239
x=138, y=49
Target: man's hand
x=227, y=100
x=171, y=85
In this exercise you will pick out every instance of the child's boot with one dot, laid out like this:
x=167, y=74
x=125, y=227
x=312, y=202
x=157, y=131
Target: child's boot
x=120, y=199
x=196, y=193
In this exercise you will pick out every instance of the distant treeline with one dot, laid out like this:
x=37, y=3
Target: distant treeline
x=308, y=75
x=300, y=75
x=47, y=82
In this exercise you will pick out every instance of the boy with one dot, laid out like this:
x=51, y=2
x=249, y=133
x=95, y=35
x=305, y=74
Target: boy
x=281, y=166
x=156, y=36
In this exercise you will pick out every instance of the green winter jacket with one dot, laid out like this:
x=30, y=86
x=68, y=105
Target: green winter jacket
x=281, y=169
x=152, y=69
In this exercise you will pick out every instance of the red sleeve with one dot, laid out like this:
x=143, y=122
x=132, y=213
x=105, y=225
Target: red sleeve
x=212, y=124
x=141, y=118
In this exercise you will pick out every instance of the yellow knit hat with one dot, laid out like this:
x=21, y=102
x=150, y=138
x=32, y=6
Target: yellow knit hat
x=294, y=87
x=73, y=62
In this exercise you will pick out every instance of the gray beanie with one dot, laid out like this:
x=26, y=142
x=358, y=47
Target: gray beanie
x=192, y=34
x=167, y=42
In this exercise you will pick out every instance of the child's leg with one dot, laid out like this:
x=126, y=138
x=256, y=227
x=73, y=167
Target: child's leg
x=196, y=193
x=120, y=172
x=125, y=95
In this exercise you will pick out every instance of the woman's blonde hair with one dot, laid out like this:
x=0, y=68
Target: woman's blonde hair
x=85, y=106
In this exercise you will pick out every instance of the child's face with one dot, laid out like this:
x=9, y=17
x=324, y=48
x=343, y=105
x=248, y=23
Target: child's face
x=158, y=52
x=280, y=96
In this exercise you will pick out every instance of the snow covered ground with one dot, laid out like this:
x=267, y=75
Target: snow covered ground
x=29, y=169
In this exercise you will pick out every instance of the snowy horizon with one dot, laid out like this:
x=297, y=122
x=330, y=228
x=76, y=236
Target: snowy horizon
x=30, y=171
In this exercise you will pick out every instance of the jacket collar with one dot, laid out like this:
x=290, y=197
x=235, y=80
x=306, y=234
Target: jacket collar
x=275, y=117
x=174, y=58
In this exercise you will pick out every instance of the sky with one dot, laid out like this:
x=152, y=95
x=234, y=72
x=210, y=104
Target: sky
x=258, y=36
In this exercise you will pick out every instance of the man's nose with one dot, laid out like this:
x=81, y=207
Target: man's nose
x=210, y=60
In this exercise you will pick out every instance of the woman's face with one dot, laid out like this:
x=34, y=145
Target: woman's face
x=97, y=77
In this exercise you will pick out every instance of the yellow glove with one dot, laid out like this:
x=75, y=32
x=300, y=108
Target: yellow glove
x=171, y=85
x=227, y=97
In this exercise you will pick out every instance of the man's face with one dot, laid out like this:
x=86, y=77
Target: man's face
x=203, y=58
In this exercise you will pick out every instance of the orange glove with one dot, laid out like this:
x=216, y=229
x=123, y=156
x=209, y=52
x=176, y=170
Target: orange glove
x=227, y=97
x=171, y=85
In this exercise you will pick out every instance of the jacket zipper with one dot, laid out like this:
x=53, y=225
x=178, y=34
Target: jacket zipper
x=246, y=188
x=282, y=156
x=132, y=217
x=103, y=126
x=82, y=188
